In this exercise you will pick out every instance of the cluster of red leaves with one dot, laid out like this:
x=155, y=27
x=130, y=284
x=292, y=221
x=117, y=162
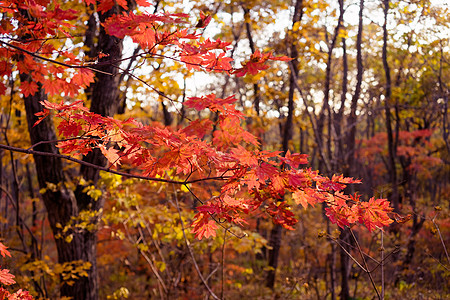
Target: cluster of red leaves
x=252, y=178
x=47, y=20
x=203, y=150
x=257, y=62
x=7, y=278
x=105, y=5
x=150, y=30
x=43, y=20
x=373, y=214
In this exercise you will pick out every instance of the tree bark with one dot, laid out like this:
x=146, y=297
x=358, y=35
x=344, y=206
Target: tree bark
x=350, y=150
x=276, y=233
x=326, y=110
x=257, y=100
x=388, y=93
x=61, y=202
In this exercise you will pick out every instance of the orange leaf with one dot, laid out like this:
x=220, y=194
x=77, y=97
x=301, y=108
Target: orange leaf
x=3, y=250
x=6, y=278
x=28, y=88
x=111, y=155
x=83, y=78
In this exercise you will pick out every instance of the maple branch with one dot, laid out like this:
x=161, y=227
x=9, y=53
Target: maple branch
x=208, y=69
x=40, y=39
x=52, y=60
x=346, y=252
x=62, y=140
x=74, y=66
x=107, y=169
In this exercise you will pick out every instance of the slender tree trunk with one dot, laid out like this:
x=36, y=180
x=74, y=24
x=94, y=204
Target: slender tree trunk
x=326, y=110
x=388, y=93
x=248, y=31
x=276, y=233
x=350, y=151
x=351, y=137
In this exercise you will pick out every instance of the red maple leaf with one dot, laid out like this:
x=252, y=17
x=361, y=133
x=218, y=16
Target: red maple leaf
x=203, y=226
x=3, y=250
x=294, y=160
x=257, y=62
x=265, y=171
x=28, y=88
x=111, y=155
x=338, y=215
x=204, y=20
x=83, y=78
x=282, y=215
x=374, y=213
x=106, y=5
x=218, y=63
x=52, y=86
x=303, y=198
x=6, y=278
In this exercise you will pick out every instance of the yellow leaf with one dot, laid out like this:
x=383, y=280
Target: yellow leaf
x=69, y=238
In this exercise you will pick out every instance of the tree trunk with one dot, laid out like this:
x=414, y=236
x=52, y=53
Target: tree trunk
x=274, y=252
x=388, y=93
x=350, y=150
x=276, y=233
x=248, y=31
x=326, y=110
x=61, y=202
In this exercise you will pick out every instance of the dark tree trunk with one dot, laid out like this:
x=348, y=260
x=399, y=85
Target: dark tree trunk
x=60, y=201
x=276, y=233
x=388, y=93
x=248, y=31
x=326, y=110
x=350, y=150
x=274, y=252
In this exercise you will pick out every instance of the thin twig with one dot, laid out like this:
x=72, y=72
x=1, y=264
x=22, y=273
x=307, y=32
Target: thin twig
x=191, y=253
x=365, y=265
x=223, y=264
x=349, y=255
x=440, y=236
x=149, y=261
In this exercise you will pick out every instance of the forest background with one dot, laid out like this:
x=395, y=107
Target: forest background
x=365, y=94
